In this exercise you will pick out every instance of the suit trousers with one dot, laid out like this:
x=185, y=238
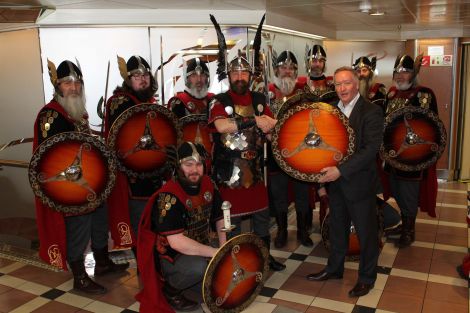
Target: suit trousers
x=363, y=214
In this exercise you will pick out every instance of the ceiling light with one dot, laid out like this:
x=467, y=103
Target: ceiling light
x=377, y=13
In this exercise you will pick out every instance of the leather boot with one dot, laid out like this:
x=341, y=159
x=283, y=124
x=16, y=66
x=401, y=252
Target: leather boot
x=82, y=282
x=177, y=300
x=407, y=236
x=273, y=264
x=281, y=237
x=104, y=265
x=304, y=235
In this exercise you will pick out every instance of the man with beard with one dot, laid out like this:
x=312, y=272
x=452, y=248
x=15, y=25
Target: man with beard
x=285, y=86
x=177, y=220
x=352, y=187
x=415, y=188
x=65, y=237
x=242, y=120
x=130, y=195
x=374, y=92
x=194, y=99
x=320, y=85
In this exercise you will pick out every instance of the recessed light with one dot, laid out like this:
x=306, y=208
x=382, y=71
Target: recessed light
x=377, y=13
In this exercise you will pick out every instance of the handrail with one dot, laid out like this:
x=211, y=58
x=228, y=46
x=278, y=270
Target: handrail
x=14, y=163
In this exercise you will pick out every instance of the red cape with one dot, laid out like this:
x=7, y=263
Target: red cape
x=118, y=201
x=151, y=297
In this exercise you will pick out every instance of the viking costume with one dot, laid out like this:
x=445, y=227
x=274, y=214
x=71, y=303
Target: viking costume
x=322, y=86
x=177, y=207
x=185, y=103
x=238, y=156
x=64, y=237
x=411, y=188
x=280, y=184
x=129, y=194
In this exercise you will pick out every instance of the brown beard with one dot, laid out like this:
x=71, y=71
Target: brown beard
x=364, y=85
x=240, y=87
x=145, y=95
x=75, y=106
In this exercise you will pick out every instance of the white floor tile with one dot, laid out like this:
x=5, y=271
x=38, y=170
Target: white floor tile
x=409, y=274
x=11, y=281
x=74, y=300
x=448, y=280
x=100, y=307
x=11, y=267
x=333, y=305
x=371, y=299
x=35, y=289
x=293, y=297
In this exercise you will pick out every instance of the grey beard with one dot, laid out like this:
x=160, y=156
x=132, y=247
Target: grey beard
x=74, y=106
x=199, y=94
x=364, y=85
x=286, y=84
x=403, y=86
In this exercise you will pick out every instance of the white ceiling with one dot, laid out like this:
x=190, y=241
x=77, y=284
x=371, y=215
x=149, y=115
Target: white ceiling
x=334, y=19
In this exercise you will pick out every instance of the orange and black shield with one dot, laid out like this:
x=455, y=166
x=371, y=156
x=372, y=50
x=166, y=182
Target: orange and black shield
x=414, y=138
x=195, y=130
x=236, y=274
x=72, y=172
x=140, y=138
x=309, y=137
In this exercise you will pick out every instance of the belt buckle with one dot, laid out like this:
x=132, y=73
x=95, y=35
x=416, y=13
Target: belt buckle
x=248, y=155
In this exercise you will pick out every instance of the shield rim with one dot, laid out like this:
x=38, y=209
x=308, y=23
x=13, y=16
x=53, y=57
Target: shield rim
x=214, y=262
x=297, y=99
x=122, y=119
x=45, y=146
x=313, y=178
x=390, y=118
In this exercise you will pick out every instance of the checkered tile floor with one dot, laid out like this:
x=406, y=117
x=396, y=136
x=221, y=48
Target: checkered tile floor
x=421, y=278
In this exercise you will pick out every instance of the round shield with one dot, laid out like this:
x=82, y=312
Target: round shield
x=414, y=138
x=72, y=172
x=140, y=137
x=354, y=248
x=309, y=137
x=236, y=274
x=296, y=100
x=330, y=97
x=195, y=130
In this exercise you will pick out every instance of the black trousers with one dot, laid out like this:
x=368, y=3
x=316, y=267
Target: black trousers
x=278, y=187
x=83, y=228
x=363, y=214
x=406, y=193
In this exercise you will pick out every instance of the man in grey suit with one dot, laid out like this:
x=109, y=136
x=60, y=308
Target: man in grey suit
x=352, y=187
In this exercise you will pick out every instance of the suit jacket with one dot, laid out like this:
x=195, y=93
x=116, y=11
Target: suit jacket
x=359, y=178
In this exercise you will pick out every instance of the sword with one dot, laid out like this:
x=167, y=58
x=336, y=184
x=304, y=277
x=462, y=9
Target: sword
x=100, y=110
x=268, y=102
x=161, y=70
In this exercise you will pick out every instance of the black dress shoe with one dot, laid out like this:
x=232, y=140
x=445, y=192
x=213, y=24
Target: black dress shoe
x=361, y=289
x=275, y=265
x=323, y=275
